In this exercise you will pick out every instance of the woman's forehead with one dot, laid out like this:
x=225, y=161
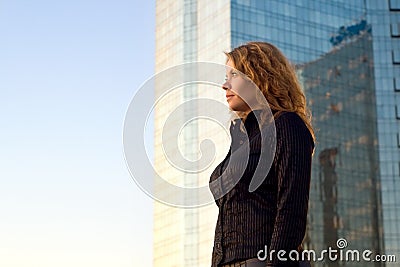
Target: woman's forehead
x=229, y=66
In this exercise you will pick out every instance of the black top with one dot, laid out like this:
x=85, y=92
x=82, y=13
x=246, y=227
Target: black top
x=275, y=214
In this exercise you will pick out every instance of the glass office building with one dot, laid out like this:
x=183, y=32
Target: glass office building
x=347, y=55
x=345, y=197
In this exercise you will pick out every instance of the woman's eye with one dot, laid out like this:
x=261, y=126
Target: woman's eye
x=232, y=74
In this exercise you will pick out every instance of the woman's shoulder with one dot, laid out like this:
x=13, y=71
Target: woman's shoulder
x=289, y=123
x=289, y=118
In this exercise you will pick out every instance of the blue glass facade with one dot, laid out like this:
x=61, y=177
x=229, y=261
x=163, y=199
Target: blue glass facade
x=301, y=29
x=345, y=196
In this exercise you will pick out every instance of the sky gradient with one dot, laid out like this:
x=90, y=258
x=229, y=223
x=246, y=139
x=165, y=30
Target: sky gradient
x=68, y=70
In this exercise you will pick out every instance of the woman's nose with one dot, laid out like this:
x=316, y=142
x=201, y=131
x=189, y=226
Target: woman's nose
x=226, y=85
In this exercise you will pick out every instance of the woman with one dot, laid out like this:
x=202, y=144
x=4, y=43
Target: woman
x=254, y=225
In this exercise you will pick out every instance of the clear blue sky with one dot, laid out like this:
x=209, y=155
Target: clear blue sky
x=68, y=70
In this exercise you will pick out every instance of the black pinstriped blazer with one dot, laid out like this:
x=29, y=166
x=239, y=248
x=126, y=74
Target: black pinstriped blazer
x=275, y=214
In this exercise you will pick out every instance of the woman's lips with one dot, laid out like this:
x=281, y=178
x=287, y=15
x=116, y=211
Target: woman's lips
x=228, y=97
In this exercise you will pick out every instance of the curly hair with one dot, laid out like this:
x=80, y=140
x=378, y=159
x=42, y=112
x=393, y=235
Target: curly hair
x=272, y=73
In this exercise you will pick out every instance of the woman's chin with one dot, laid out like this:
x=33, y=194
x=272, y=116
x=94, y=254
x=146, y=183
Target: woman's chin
x=238, y=109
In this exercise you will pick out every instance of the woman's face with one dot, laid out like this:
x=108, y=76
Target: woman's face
x=235, y=85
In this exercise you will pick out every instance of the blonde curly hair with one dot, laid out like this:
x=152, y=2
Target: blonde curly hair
x=272, y=73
